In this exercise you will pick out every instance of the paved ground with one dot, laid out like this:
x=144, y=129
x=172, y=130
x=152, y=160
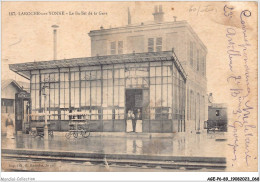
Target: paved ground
x=199, y=145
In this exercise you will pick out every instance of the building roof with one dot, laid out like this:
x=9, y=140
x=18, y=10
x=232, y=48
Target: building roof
x=20, y=85
x=147, y=26
x=24, y=69
x=25, y=85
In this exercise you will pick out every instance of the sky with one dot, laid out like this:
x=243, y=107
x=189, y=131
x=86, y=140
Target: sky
x=30, y=38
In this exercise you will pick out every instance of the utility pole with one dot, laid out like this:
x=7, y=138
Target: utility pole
x=46, y=129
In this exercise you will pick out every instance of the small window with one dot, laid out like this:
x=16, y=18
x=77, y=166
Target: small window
x=113, y=48
x=120, y=47
x=217, y=113
x=7, y=106
x=158, y=44
x=150, y=45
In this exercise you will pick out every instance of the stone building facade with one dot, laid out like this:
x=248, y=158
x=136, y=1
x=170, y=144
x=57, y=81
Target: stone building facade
x=159, y=36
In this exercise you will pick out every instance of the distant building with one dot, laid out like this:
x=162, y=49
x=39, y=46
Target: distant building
x=10, y=88
x=158, y=67
x=217, y=115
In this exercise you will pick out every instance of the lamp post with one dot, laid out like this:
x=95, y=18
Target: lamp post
x=46, y=129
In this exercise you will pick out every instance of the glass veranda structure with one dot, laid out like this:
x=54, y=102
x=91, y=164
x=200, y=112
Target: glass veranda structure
x=106, y=87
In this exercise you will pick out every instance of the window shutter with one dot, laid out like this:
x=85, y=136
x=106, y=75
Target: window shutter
x=120, y=47
x=150, y=45
x=158, y=44
x=113, y=48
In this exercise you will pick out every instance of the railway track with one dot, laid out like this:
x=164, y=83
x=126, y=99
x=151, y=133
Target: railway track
x=154, y=162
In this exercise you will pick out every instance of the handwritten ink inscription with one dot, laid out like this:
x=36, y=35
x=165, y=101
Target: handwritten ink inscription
x=228, y=11
x=240, y=88
x=202, y=9
x=231, y=48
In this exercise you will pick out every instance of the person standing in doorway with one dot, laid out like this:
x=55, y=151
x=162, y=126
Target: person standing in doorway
x=139, y=123
x=133, y=121
x=9, y=127
x=129, y=121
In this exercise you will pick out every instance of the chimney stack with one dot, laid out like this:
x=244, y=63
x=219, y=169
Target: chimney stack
x=160, y=8
x=55, y=41
x=158, y=14
x=175, y=18
x=155, y=9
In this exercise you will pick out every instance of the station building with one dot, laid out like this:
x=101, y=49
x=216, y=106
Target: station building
x=158, y=67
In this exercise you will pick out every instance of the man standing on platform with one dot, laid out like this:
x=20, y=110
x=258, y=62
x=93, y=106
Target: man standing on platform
x=138, y=123
x=130, y=121
x=9, y=123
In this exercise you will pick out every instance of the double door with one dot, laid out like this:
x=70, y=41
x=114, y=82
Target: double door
x=138, y=99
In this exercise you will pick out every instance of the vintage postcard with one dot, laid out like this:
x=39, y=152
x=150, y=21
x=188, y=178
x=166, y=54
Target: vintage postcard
x=129, y=86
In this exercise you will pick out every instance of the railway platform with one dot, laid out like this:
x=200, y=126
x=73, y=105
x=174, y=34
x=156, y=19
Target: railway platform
x=188, y=151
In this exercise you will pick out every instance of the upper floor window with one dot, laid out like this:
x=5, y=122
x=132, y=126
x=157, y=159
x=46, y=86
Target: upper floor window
x=113, y=48
x=116, y=47
x=203, y=66
x=120, y=47
x=155, y=44
x=198, y=60
x=191, y=53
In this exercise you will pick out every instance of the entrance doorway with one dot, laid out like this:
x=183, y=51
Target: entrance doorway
x=134, y=99
x=134, y=102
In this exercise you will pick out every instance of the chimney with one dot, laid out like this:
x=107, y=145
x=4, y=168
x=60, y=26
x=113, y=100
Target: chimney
x=175, y=18
x=55, y=41
x=160, y=8
x=155, y=9
x=129, y=16
x=158, y=14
